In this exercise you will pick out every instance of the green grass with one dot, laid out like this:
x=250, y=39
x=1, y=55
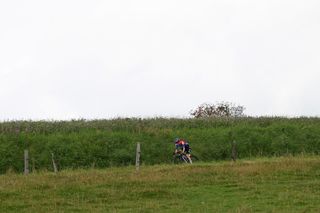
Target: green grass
x=106, y=143
x=286, y=184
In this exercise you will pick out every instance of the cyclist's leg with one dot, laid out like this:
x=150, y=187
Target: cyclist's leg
x=188, y=154
x=189, y=157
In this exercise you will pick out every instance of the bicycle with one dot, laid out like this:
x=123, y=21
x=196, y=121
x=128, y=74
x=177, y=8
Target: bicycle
x=182, y=158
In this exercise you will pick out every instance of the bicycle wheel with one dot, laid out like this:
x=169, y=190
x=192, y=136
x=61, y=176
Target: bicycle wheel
x=178, y=159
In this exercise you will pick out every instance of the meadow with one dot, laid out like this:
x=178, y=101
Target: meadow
x=83, y=144
x=277, y=184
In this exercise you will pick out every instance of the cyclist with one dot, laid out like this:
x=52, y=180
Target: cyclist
x=182, y=146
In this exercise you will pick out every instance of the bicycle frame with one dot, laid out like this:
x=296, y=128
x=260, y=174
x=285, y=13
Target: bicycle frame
x=182, y=158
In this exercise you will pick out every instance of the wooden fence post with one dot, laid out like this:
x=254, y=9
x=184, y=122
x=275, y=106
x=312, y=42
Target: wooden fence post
x=26, y=162
x=54, y=163
x=234, y=151
x=138, y=152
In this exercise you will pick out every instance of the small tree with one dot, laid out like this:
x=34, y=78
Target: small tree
x=220, y=109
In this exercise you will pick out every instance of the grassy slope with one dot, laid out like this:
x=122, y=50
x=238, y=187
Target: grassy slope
x=290, y=184
x=107, y=143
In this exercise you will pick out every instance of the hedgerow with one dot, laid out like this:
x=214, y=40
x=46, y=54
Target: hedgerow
x=105, y=143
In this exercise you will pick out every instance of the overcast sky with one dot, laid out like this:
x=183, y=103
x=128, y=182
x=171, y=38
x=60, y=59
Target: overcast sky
x=90, y=59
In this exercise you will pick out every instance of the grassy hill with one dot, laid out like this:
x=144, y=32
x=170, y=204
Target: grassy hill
x=285, y=184
x=107, y=143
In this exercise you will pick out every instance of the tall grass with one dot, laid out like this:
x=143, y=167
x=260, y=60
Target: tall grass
x=105, y=143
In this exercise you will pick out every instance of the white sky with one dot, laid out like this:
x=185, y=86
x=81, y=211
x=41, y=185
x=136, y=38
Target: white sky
x=90, y=59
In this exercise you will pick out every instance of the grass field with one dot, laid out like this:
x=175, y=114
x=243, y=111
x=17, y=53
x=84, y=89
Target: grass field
x=286, y=184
